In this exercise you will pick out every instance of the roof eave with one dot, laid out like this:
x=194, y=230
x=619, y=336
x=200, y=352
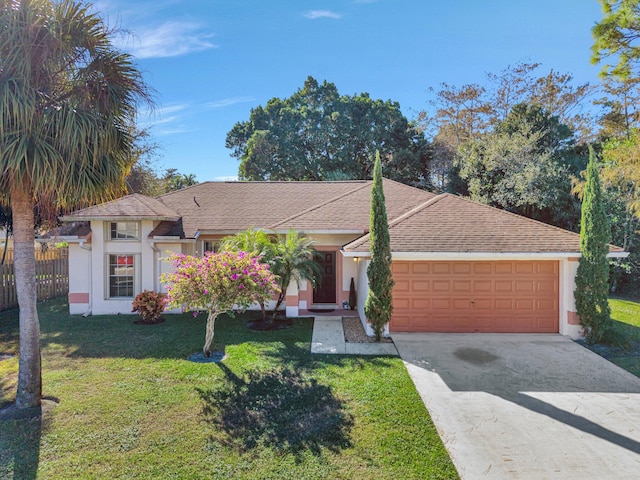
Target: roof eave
x=119, y=218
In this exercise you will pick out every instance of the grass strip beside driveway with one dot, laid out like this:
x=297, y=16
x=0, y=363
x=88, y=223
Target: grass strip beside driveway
x=132, y=406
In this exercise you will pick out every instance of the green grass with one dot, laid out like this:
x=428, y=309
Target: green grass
x=132, y=406
x=626, y=322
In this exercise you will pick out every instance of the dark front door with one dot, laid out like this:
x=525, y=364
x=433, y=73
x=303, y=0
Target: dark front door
x=325, y=291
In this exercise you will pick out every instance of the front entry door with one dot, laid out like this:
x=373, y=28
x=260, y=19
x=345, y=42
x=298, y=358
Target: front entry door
x=325, y=292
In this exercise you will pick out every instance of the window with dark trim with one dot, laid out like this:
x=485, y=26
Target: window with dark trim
x=211, y=246
x=121, y=275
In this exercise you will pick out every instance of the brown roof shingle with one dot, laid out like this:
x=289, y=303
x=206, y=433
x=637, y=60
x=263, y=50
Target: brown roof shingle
x=130, y=206
x=451, y=224
x=351, y=211
x=235, y=206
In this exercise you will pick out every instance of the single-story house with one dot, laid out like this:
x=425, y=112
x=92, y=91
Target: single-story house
x=458, y=266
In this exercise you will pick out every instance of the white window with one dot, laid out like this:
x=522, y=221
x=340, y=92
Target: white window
x=121, y=276
x=124, y=230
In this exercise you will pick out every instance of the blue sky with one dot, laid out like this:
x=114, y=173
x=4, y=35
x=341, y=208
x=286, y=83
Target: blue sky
x=211, y=61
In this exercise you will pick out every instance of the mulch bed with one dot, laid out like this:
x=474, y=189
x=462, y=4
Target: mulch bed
x=265, y=325
x=354, y=332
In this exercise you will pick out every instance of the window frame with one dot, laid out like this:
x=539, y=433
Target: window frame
x=215, y=244
x=134, y=275
x=111, y=229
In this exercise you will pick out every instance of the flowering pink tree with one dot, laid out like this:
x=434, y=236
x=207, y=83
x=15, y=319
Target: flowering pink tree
x=218, y=283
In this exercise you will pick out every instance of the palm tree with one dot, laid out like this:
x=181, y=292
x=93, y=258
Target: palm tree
x=294, y=260
x=67, y=97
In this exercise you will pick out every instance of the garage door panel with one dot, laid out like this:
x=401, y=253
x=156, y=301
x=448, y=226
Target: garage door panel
x=420, y=267
x=461, y=304
x=503, y=268
x=546, y=286
x=508, y=296
x=504, y=304
x=461, y=268
x=462, y=286
x=480, y=304
x=421, y=285
x=402, y=304
x=503, y=286
x=441, y=303
x=483, y=268
x=441, y=268
x=420, y=303
x=441, y=286
x=524, y=268
x=549, y=268
x=525, y=286
x=400, y=268
x=482, y=286
x=525, y=304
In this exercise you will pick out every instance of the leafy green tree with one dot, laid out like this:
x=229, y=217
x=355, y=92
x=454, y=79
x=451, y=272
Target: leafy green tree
x=461, y=115
x=592, y=287
x=67, y=96
x=174, y=180
x=318, y=134
x=294, y=261
x=615, y=36
x=257, y=243
x=524, y=165
x=621, y=103
x=379, y=304
x=620, y=174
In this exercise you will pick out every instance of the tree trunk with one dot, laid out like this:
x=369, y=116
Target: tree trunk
x=211, y=322
x=29, y=392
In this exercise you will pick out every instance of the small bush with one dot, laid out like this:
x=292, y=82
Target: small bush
x=149, y=305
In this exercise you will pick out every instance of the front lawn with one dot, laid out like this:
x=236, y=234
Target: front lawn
x=626, y=316
x=132, y=406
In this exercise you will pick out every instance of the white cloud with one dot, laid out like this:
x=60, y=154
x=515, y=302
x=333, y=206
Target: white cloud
x=315, y=14
x=226, y=179
x=169, y=39
x=227, y=102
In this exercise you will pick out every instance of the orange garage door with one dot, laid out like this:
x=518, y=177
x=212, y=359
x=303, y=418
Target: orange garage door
x=510, y=296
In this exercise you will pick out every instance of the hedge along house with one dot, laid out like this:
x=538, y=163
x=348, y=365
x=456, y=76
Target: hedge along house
x=458, y=266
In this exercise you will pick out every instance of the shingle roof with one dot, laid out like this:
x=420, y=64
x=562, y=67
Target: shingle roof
x=419, y=221
x=168, y=229
x=351, y=210
x=451, y=224
x=234, y=206
x=129, y=207
x=73, y=229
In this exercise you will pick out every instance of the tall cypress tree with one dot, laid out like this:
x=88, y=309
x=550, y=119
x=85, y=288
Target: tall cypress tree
x=592, y=278
x=379, y=305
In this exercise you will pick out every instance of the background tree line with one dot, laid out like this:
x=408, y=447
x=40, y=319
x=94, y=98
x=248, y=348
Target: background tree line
x=517, y=141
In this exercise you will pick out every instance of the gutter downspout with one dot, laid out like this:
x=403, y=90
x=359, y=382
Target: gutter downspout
x=156, y=266
x=88, y=248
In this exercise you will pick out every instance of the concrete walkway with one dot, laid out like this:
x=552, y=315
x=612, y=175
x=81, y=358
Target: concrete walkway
x=527, y=406
x=328, y=337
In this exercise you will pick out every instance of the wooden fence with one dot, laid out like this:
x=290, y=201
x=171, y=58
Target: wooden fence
x=52, y=277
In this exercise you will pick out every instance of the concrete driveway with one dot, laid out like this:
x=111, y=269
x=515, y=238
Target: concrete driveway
x=527, y=406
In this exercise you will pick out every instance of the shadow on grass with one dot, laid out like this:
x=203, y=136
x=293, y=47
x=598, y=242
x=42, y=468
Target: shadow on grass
x=298, y=358
x=277, y=409
x=20, y=434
